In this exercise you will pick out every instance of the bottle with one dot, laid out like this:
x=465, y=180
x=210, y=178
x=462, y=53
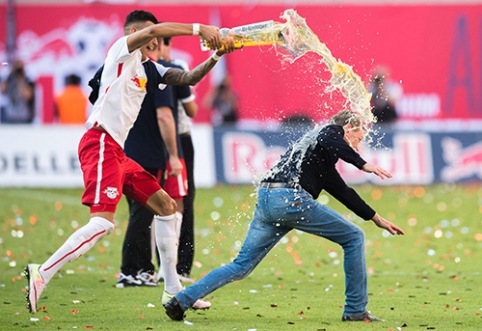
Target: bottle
x=255, y=34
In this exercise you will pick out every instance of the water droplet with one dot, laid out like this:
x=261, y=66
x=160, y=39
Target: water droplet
x=444, y=223
x=215, y=215
x=218, y=201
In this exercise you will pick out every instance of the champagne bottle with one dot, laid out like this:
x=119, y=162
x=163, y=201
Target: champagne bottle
x=255, y=34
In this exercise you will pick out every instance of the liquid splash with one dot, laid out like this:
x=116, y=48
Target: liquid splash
x=296, y=37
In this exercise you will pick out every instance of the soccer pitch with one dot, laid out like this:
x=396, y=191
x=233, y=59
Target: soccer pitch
x=429, y=279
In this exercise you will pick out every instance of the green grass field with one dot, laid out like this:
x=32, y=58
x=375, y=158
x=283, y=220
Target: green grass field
x=429, y=279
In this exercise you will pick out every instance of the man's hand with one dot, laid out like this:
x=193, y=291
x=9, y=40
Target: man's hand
x=176, y=166
x=384, y=224
x=380, y=172
x=212, y=36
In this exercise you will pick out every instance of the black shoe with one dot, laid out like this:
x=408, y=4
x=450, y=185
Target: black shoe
x=361, y=317
x=127, y=280
x=173, y=310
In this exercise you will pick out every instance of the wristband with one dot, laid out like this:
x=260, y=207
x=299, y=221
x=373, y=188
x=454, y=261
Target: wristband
x=195, y=29
x=215, y=57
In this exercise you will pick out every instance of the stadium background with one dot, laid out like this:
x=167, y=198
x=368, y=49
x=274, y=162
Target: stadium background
x=433, y=48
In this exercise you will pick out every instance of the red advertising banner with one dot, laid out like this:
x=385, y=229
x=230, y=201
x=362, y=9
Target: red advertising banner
x=431, y=52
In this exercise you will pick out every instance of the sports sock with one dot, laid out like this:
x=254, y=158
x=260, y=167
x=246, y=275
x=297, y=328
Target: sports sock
x=167, y=243
x=178, y=225
x=76, y=245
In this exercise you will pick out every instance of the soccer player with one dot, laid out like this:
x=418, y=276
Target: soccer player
x=287, y=200
x=107, y=171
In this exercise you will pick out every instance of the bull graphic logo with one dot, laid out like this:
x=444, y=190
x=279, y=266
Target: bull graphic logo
x=78, y=48
x=111, y=192
x=140, y=82
x=461, y=162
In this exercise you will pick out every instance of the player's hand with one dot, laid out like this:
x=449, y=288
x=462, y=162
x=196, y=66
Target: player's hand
x=228, y=46
x=387, y=225
x=175, y=165
x=380, y=172
x=212, y=36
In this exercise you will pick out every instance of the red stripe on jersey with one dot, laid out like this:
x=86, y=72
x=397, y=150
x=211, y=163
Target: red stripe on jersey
x=119, y=69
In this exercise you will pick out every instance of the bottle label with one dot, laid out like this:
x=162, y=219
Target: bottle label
x=244, y=29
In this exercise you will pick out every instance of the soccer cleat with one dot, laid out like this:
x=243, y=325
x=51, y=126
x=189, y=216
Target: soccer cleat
x=36, y=285
x=166, y=297
x=147, y=279
x=173, y=310
x=198, y=305
x=361, y=317
x=127, y=280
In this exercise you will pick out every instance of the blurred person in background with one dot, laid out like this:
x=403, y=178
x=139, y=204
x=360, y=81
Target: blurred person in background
x=18, y=91
x=287, y=200
x=187, y=109
x=175, y=183
x=385, y=93
x=224, y=103
x=71, y=103
x=152, y=134
x=108, y=172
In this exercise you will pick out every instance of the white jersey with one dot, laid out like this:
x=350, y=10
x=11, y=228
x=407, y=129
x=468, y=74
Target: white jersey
x=122, y=90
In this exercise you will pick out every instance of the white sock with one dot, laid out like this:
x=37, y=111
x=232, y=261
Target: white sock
x=78, y=244
x=167, y=243
x=178, y=226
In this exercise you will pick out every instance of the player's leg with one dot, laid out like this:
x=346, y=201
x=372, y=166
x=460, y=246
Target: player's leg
x=325, y=222
x=263, y=234
x=103, y=187
x=148, y=192
x=167, y=234
x=137, y=268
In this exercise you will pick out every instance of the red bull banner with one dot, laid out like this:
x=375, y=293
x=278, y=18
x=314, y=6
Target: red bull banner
x=35, y=156
x=432, y=52
x=413, y=158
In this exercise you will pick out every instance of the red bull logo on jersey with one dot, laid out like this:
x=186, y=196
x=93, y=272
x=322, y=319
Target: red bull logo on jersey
x=462, y=163
x=111, y=192
x=140, y=82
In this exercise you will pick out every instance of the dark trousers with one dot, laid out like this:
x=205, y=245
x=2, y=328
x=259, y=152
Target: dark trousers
x=185, y=253
x=136, y=249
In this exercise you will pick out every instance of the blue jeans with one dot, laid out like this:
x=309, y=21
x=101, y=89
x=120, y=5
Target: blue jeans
x=278, y=211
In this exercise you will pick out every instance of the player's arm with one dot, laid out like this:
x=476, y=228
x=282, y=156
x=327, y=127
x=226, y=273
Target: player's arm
x=387, y=225
x=191, y=108
x=167, y=126
x=175, y=76
x=162, y=30
x=380, y=172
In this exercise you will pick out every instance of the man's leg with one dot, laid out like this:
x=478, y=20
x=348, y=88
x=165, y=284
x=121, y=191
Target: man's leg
x=327, y=223
x=136, y=250
x=76, y=245
x=166, y=240
x=186, y=239
x=260, y=239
